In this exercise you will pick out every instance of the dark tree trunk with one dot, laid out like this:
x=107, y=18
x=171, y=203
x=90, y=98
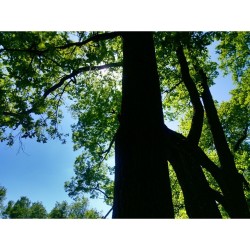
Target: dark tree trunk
x=142, y=185
x=198, y=196
x=232, y=182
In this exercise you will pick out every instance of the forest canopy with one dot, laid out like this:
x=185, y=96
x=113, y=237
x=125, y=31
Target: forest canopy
x=123, y=88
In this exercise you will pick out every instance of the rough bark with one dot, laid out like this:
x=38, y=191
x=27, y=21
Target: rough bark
x=142, y=185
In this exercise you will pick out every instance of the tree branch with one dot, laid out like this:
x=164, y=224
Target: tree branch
x=172, y=88
x=61, y=82
x=219, y=198
x=187, y=166
x=245, y=182
x=198, y=113
x=77, y=72
x=95, y=38
x=109, y=148
x=195, y=152
x=241, y=139
x=98, y=189
x=221, y=145
x=104, y=217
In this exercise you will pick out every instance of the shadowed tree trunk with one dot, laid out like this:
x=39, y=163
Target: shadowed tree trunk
x=232, y=182
x=142, y=185
x=198, y=196
x=144, y=145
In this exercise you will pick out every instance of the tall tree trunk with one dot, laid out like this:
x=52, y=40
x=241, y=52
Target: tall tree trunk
x=142, y=185
x=198, y=196
x=232, y=183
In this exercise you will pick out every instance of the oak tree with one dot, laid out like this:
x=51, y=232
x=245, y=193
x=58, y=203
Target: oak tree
x=123, y=88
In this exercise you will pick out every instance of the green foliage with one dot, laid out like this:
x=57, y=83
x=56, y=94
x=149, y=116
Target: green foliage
x=3, y=191
x=25, y=209
x=93, y=133
x=79, y=210
x=234, y=53
x=7, y=210
x=60, y=211
x=38, y=70
x=37, y=211
x=177, y=196
x=29, y=67
x=175, y=96
x=19, y=209
x=75, y=210
x=33, y=67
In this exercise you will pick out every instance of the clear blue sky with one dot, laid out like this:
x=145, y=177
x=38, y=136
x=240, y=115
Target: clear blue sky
x=41, y=170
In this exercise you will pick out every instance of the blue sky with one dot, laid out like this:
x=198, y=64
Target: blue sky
x=40, y=170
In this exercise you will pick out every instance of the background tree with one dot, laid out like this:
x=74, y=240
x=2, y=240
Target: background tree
x=37, y=211
x=25, y=209
x=18, y=209
x=75, y=210
x=2, y=198
x=79, y=210
x=60, y=211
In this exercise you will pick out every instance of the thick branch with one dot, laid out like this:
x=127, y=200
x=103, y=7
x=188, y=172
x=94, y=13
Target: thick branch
x=198, y=115
x=198, y=200
x=195, y=153
x=29, y=50
x=231, y=185
x=219, y=198
x=221, y=145
x=208, y=164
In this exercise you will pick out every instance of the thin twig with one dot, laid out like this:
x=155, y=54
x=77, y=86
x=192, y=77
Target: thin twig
x=109, y=148
x=172, y=88
x=241, y=139
x=104, y=217
x=98, y=189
